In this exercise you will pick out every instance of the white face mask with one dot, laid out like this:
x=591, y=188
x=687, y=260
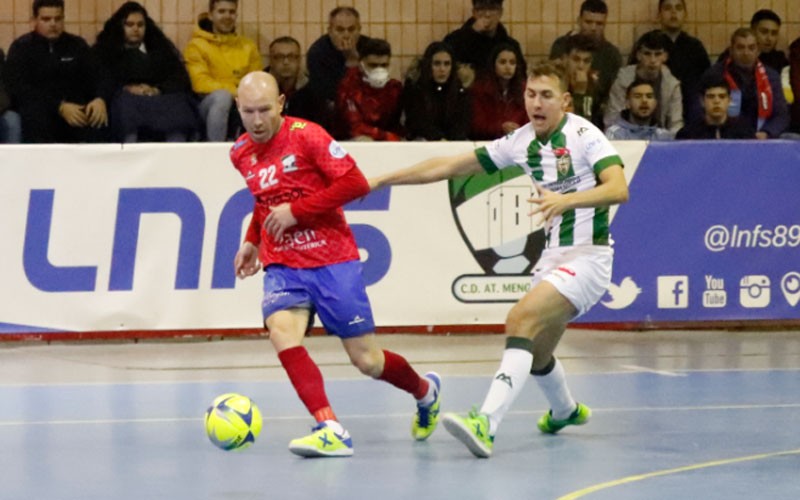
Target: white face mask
x=377, y=78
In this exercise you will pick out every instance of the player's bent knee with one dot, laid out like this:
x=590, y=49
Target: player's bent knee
x=368, y=364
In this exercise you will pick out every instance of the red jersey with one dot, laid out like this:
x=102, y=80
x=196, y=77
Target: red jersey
x=297, y=166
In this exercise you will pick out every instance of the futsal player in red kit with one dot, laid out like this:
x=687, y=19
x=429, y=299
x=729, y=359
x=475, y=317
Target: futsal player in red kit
x=300, y=178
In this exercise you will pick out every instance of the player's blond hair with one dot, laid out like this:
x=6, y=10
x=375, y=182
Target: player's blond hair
x=553, y=69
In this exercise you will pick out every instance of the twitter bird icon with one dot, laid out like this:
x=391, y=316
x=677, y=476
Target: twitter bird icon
x=622, y=295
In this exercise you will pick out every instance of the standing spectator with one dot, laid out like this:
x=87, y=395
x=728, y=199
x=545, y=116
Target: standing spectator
x=435, y=102
x=368, y=101
x=498, y=106
x=53, y=83
x=144, y=80
x=766, y=26
x=650, y=55
x=217, y=58
x=756, y=94
x=582, y=80
x=10, y=126
x=284, y=65
x=638, y=120
x=715, y=122
x=327, y=61
x=474, y=41
x=687, y=56
x=606, y=59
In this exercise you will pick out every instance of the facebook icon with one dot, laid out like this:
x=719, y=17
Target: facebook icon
x=673, y=292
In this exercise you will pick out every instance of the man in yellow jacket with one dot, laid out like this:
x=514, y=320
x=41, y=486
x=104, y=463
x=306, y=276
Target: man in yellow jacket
x=217, y=58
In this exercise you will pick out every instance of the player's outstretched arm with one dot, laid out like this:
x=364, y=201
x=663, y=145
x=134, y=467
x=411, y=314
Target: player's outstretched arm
x=431, y=170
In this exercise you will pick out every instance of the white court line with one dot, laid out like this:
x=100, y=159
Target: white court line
x=644, y=369
x=168, y=420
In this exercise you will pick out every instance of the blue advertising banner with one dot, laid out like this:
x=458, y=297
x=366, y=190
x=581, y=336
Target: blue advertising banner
x=711, y=233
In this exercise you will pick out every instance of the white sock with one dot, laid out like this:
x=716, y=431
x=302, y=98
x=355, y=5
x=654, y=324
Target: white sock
x=335, y=427
x=429, y=396
x=554, y=386
x=506, y=386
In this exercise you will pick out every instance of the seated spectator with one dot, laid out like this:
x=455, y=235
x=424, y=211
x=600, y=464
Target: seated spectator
x=53, y=82
x=473, y=42
x=327, y=61
x=638, y=120
x=435, y=102
x=369, y=101
x=606, y=59
x=284, y=65
x=715, y=122
x=756, y=95
x=496, y=98
x=217, y=58
x=582, y=80
x=766, y=26
x=794, y=83
x=651, y=54
x=687, y=56
x=10, y=126
x=144, y=80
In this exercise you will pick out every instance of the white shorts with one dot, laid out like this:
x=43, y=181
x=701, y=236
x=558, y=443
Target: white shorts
x=581, y=274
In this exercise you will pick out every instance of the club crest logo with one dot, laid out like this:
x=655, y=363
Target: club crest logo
x=491, y=213
x=563, y=160
x=289, y=163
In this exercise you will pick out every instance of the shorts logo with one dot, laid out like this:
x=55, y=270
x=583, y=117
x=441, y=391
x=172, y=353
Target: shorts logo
x=289, y=164
x=358, y=319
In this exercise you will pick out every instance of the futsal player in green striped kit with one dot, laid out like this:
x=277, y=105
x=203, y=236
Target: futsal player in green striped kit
x=578, y=175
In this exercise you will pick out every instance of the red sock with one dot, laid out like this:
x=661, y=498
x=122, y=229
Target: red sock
x=307, y=381
x=399, y=373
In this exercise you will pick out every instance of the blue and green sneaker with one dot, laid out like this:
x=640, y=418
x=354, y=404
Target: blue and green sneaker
x=427, y=417
x=549, y=425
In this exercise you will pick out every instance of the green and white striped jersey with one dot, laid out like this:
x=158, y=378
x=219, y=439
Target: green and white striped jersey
x=567, y=161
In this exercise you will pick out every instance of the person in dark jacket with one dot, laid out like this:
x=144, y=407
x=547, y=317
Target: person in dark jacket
x=53, y=82
x=496, y=98
x=715, y=123
x=144, y=80
x=10, y=126
x=435, y=102
x=474, y=41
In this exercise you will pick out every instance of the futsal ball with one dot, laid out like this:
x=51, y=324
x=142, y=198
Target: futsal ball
x=233, y=422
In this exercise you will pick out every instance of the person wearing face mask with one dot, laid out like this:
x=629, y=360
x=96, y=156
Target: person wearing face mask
x=368, y=101
x=217, y=58
x=144, y=80
x=498, y=106
x=435, y=101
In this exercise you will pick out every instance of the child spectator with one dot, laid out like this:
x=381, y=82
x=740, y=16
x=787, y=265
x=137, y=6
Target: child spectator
x=10, y=126
x=715, y=122
x=368, y=100
x=53, y=82
x=496, y=98
x=651, y=54
x=217, y=58
x=435, y=102
x=144, y=80
x=638, y=120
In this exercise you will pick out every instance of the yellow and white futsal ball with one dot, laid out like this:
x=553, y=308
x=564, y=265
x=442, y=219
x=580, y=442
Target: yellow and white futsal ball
x=233, y=422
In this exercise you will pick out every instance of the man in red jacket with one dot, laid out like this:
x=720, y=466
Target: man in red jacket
x=368, y=101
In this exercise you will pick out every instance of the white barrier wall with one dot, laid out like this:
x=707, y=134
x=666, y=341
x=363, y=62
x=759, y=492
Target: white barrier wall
x=103, y=238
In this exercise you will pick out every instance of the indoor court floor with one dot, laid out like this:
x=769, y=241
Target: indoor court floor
x=677, y=415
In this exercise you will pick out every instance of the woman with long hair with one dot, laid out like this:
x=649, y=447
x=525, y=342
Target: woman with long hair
x=144, y=79
x=435, y=101
x=498, y=104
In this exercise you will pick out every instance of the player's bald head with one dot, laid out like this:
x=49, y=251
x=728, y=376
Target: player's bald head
x=259, y=82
